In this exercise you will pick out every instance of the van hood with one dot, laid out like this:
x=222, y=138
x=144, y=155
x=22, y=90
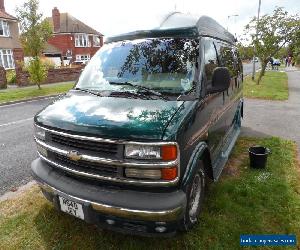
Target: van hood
x=109, y=117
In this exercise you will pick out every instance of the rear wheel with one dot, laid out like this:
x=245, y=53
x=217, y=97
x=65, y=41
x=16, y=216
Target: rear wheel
x=195, y=192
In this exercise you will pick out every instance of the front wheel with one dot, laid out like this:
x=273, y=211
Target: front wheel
x=195, y=192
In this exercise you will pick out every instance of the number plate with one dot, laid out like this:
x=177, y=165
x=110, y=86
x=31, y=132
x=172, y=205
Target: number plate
x=71, y=207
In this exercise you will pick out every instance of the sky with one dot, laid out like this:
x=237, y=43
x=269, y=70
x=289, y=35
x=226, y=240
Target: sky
x=111, y=17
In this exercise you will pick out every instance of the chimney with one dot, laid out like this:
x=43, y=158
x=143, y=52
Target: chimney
x=2, y=7
x=55, y=18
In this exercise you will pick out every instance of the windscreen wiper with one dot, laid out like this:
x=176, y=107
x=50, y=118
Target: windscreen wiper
x=190, y=95
x=139, y=87
x=92, y=92
x=129, y=94
x=113, y=93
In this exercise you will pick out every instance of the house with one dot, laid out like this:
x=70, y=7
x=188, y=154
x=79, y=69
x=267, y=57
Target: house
x=72, y=38
x=10, y=46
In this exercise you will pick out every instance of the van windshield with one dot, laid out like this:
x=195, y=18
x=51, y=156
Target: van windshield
x=164, y=65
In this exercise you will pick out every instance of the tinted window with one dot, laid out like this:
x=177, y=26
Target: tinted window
x=238, y=61
x=226, y=57
x=210, y=60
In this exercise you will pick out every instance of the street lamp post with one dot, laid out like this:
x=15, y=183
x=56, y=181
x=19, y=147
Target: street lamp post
x=254, y=54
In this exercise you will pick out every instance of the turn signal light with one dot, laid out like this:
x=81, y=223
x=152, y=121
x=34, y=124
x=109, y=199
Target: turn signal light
x=169, y=174
x=169, y=152
x=143, y=173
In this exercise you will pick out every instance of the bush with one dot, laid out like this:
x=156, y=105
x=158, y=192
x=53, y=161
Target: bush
x=48, y=63
x=11, y=76
x=38, y=71
x=3, y=85
x=297, y=60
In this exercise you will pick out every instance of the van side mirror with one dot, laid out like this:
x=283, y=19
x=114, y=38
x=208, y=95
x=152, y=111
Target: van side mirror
x=220, y=80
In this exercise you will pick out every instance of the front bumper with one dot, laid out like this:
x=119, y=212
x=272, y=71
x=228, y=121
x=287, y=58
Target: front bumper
x=123, y=210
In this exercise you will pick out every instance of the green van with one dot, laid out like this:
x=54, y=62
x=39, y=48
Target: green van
x=151, y=120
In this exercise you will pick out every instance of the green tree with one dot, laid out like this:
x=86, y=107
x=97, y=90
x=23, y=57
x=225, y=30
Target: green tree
x=294, y=47
x=35, y=33
x=283, y=52
x=246, y=52
x=37, y=71
x=272, y=33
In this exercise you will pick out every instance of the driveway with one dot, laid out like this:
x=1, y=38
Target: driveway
x=275, y=118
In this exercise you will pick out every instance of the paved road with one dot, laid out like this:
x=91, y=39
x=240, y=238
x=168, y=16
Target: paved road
x=17, y=148
x=248, y=68
x=275, y=118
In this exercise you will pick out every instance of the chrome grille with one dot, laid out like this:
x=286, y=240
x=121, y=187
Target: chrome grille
x=100, y=158
x=85, y=166
x=92, y=146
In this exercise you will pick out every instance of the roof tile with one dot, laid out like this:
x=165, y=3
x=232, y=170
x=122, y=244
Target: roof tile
x=70, y=24
x=5, y=15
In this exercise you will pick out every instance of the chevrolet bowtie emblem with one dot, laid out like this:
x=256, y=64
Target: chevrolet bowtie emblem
x=74, y=155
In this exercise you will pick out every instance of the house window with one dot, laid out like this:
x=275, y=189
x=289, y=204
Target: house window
x=82, y=40
x=6, y=59
x=4, y=28
x=83, y=58
x=96, y=41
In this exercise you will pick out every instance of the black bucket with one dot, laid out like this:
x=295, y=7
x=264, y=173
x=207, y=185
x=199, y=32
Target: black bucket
x=258, y=156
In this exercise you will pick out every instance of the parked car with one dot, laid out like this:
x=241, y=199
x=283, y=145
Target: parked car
x=273, y=63
x=276, y=62
x=152, y=118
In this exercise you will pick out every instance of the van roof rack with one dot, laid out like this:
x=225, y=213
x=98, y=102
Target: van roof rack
x=180, y=25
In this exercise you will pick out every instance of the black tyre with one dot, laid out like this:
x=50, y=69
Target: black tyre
x=195, y=192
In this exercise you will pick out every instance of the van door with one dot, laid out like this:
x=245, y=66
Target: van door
x=214, y=103
x=228, y=58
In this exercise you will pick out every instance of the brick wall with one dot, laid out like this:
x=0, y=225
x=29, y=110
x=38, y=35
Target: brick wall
x=3, y=81
x=63, y=42
x=66, y=42
x=18, y=55
x=56, y=19
x=54, y=75
x=2, y=6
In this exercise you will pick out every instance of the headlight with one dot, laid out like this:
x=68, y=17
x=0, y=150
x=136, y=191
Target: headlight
x=165, y=152
x=39, y=133
x=142, y=152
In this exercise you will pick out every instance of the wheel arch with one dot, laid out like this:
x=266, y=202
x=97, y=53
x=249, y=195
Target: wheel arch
x=201, y=152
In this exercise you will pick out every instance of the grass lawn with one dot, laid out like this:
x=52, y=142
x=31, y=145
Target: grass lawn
x=244, y=201
x=30, y=92
x=273, y=86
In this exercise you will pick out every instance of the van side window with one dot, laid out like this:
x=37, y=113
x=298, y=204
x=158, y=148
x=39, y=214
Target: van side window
x=210, y=61
x=226, y=57
x=239, y=61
